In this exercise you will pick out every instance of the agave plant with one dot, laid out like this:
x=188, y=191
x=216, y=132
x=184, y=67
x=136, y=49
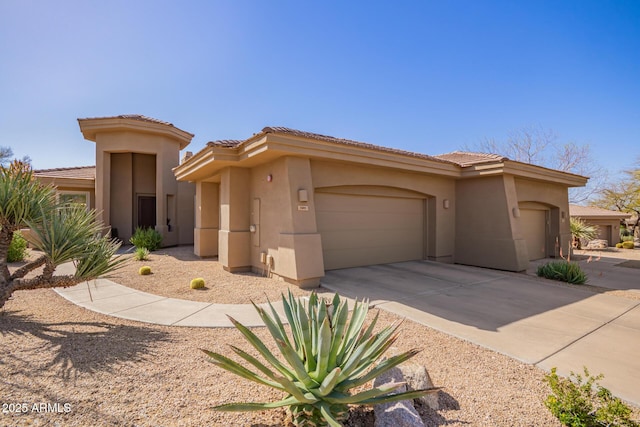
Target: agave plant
x=326, y=355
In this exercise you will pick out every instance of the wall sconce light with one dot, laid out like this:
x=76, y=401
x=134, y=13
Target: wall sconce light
x=562, y=215
x=269, y=178
x=303, y=196
x=516, y=212
x=445, y=203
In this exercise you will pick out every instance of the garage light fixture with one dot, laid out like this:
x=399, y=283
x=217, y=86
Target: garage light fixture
x=445, y=203
x=516, y=212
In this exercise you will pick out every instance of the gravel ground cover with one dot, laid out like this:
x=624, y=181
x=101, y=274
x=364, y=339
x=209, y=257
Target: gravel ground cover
x=62, y=365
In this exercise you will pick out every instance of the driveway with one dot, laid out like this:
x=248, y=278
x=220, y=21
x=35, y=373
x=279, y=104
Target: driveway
x=530, y=319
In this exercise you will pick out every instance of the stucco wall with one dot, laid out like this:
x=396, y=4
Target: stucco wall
x=129, y=164
x=484, y=228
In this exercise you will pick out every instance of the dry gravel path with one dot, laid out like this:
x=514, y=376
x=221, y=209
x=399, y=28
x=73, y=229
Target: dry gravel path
x=115, y=372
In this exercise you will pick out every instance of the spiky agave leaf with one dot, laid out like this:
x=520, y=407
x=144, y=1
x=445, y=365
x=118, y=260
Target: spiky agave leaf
x=326, y=353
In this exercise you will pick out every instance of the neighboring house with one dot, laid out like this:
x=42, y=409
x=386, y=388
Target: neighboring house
x=295, y=204
x=77, y=184
x=606, y=221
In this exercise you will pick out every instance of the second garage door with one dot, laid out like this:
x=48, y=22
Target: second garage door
x=361, y=230
x=534, y=230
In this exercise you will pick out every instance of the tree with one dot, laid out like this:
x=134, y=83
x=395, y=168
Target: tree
x=6, y=153
x=623, y=195
x=539, y=146
x=60, y=232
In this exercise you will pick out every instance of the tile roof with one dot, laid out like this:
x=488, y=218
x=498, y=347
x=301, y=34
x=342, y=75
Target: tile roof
x=80, y=172
x=226, y=143
x=230, y=143
x=463, y=158
x=592, y=211
x=310, y=135
x=138, y=117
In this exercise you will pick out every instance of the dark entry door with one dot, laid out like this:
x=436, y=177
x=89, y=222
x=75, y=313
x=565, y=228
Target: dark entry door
x=147, y=211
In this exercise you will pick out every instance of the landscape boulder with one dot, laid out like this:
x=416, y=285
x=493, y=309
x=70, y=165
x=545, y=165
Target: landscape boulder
x=395, y=414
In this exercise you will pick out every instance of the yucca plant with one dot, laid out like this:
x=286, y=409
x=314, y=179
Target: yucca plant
x=580, y=230
x=326, y=355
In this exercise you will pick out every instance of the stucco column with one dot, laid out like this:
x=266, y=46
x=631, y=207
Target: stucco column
x=234, y=237
x=205, y=234
x=485, y=234
x=300, y=247
x=103, y=185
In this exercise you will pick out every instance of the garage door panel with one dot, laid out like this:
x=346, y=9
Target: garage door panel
x=364, y=230
x=367, y=220
x=534, y=226
x=354, y=239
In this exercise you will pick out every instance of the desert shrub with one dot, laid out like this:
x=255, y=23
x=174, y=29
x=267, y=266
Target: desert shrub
x=147, y=238
x=197, y=283
x=144, y=270
x=563, y=271
x=17, y=248
x=581, y=230
x=628, y=238
x=619, y=245
x=141, y=254
x=326, y=355
x=580, y=401
x=627, y=245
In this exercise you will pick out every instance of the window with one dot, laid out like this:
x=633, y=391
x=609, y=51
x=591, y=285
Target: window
x=74, y=197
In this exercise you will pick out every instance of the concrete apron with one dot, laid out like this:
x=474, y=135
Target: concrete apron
x=530, y=319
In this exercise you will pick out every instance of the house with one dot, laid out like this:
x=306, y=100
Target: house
x=606, y=221
x=295, y=204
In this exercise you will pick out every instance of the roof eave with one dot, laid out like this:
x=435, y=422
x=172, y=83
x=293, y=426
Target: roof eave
x=90, y=127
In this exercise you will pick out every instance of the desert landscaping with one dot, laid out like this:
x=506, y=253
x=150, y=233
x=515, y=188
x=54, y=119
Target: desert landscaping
x=102, y=370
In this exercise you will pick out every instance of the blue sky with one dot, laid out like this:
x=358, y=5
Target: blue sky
x=426, y=76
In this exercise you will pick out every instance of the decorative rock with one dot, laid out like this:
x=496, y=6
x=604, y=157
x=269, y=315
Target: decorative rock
x=597, y=244
x=395, y=414
x=418, y=378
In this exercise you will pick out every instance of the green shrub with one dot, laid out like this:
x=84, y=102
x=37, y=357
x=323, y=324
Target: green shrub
x=627, y=238
x=326, y=354
x=17, y=248
x=141, y=254
x=144, y=270
x=619, y=245
x=564, y=271
x=147, y=238
x=582, y=402
x=197, y=283
x=627, y=245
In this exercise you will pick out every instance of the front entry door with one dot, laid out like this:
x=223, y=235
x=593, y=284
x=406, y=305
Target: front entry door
x=147, y=211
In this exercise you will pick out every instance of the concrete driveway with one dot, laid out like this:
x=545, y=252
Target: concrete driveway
x=530, y=319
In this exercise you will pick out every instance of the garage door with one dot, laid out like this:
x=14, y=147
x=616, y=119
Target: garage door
x=535, y=232
x=361, y=230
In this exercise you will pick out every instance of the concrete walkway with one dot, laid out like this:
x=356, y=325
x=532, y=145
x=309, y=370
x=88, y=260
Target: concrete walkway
x=527, y=318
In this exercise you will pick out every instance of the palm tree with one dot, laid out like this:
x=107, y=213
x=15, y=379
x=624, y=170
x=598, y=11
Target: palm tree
x=61, y=233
